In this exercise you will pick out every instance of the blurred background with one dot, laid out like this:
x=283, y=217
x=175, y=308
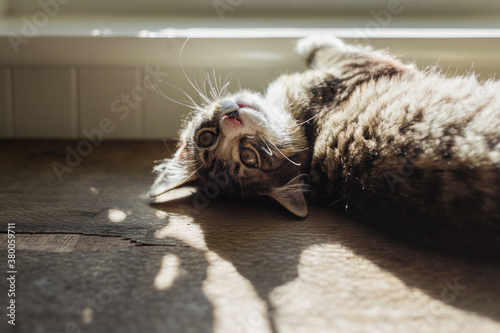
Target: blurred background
x=67, y=65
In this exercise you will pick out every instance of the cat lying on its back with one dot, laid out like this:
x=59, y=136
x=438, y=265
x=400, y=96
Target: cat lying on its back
x=415, y=153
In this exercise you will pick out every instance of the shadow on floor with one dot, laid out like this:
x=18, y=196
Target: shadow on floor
x=265, y=244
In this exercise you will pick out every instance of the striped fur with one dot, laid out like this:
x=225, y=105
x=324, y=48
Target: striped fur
x=412, y=152
x=415, y=153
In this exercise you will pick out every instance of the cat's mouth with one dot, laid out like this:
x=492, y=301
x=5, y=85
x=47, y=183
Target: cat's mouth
x=233, y=117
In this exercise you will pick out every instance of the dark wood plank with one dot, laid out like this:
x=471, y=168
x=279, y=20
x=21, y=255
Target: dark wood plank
x=65, y=243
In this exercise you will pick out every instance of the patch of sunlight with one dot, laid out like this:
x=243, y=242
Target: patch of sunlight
x=225, y=287
x=87, y=315
x=182, y=227
x=175, y=194
x=170, y=269
x=102, y=32
x=94, y=190
x=162, y=215
x=116, y=215
x=260, y=55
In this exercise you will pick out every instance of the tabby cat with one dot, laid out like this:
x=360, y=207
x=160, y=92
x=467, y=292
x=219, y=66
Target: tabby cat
x=413, y=152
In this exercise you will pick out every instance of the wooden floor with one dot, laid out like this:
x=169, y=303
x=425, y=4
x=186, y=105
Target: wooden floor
x=93, y=254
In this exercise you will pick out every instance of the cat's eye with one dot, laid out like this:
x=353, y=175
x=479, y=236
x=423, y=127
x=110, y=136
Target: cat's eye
x=249, y=158
x=207, y=139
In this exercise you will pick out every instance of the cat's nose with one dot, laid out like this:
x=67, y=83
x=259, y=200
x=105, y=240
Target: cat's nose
x=227, y=107
x=232, y=114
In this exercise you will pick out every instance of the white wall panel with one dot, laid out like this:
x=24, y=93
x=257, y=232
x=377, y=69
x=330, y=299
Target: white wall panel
x=44, y=103
x=6, y=111
x=112, y=100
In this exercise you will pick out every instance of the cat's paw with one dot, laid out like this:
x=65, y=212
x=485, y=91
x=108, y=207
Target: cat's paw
x=306, y=46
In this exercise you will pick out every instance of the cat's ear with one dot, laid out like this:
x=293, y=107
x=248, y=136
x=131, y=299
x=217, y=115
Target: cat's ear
x=291, y=196
x=172, y=173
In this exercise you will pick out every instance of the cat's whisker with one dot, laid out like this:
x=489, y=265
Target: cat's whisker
x=204, y=94
x=227, y=81
x=210, y=85
x=338, y=200
x=308, y=120
x=166, y=145
x=191, y=174
x=270, y=152
x=290, y=101
x=218, y=84
x=191, y=163
x=182, y=66
x=159, y=91
x=223, y=90
x=207, y=80
x=216, y=92
x=205, y=86
x=194, y=106
x=185, y=94
x=187, y=77
x=275, y=147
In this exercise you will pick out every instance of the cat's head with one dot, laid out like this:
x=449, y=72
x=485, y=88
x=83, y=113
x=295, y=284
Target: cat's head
x=240, y=145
